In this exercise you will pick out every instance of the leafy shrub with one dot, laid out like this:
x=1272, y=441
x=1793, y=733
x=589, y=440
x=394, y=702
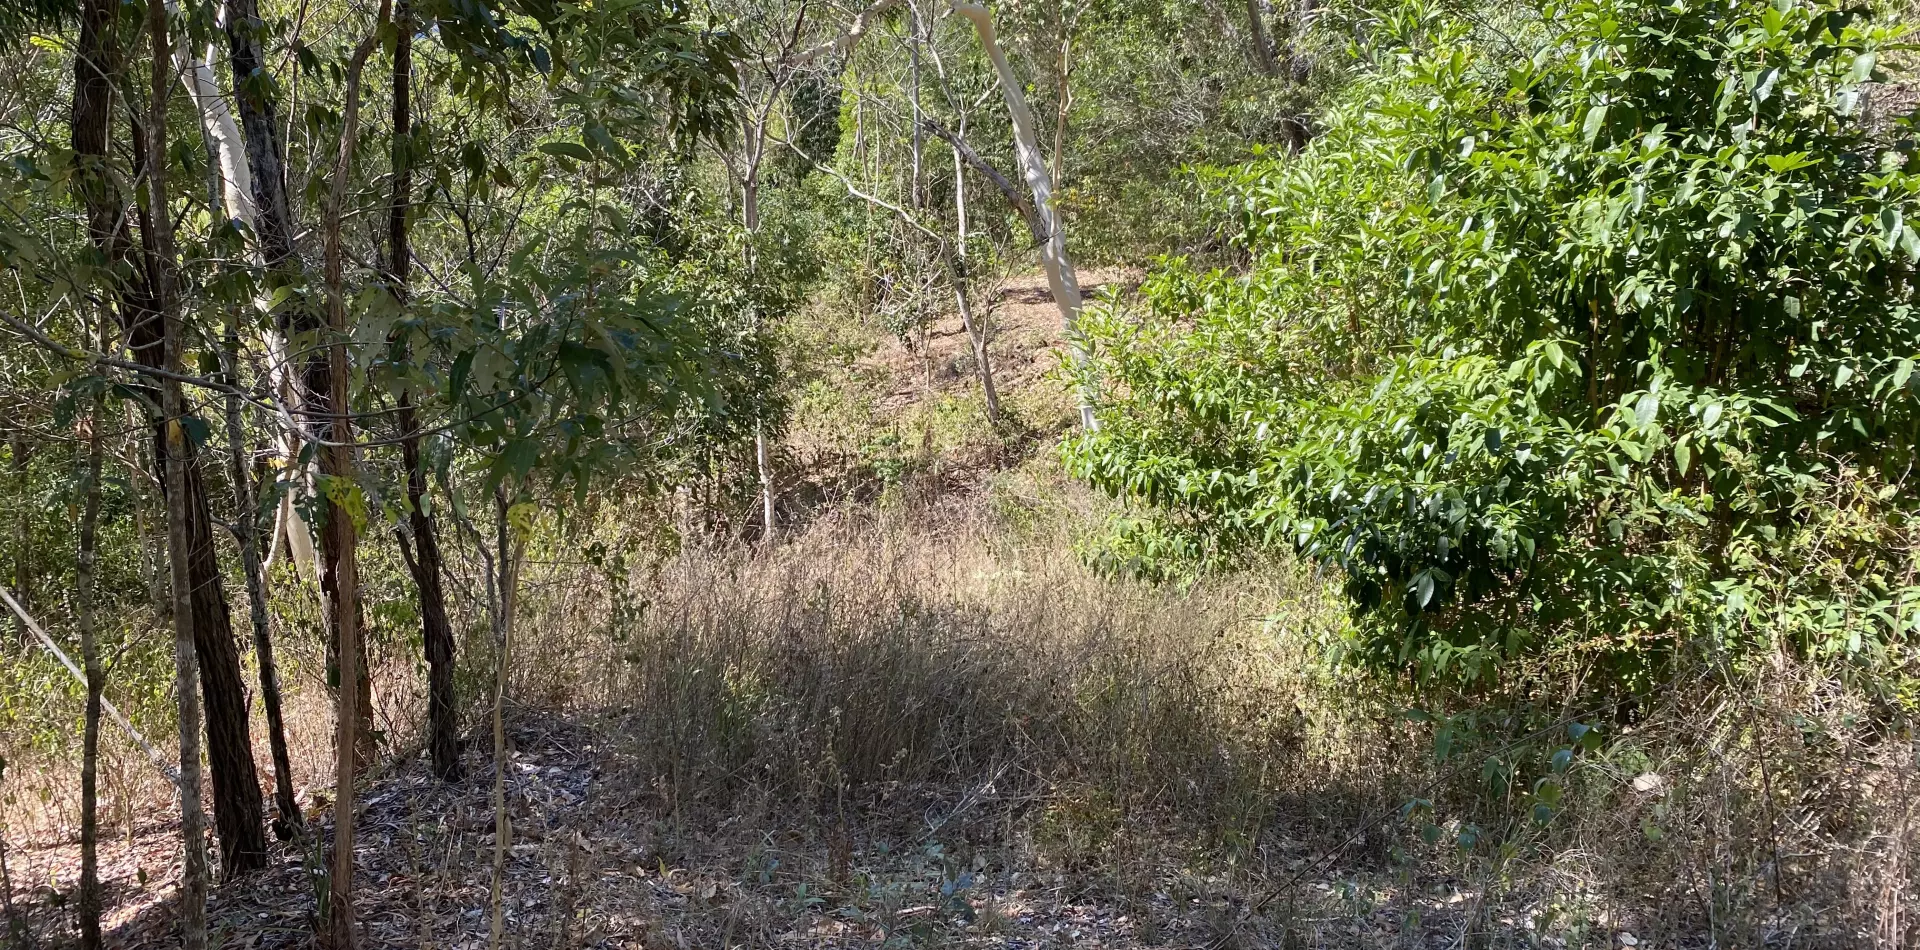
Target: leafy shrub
x=1598, y=341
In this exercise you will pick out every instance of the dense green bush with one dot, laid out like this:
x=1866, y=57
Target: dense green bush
x=1592, y=338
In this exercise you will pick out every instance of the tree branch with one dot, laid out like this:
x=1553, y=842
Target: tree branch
x=1013, y=195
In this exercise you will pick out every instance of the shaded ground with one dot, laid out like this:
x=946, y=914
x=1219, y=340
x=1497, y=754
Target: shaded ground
x=598, y=862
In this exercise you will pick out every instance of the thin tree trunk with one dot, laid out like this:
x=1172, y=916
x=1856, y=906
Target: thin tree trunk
x=750, y=219
x=340, y=540
x=274, y=231
x=1063, y=107
x=16, y=927
x=503, y=582
x=1053, y=252
x=96, y=72
x=1263, y=54
x=443, y=723
x=288, y=822
x=96, y=683
x=976, y=330
x=763, y=463
x=193, y=889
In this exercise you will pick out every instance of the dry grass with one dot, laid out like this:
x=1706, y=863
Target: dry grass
x=930, y=725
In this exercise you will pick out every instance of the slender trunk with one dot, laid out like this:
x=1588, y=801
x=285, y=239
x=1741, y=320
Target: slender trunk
x=96, y=683
x=976, y=330
x=503, y=581
x=96, y=75
x=193, y=889
x=443, y=724
x=1263, y=54
x=1063, y=106
x=763, y=463
x=273, y=231
x=288, y=821
x=341, y=562
x=750, y=219
x=1053, y=252
x=16, y=925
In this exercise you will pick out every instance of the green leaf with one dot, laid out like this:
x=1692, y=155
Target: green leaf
x=1596, y=120
x=1863, y=67
x=1682, y=455
x=520, y=455
x=573, y=150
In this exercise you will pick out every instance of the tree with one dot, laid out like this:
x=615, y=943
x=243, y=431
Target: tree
x=158, y=238
x=419, y=545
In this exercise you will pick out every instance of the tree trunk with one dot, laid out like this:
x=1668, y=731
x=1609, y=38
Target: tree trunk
x=159, y=245
x=1263, y=55
x=274, y=231
x=341, y=577
x=1053, y=253
x=288, y=821
x=503, y=581
x=96, y=684
x=750, y=219
x=16, y=925
x=238, y=817
x=443, y=719
x=976, y=330
x=96, y=72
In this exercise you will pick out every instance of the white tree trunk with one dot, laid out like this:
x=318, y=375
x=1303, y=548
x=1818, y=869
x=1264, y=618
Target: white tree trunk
x=1053, y=251
x=236, y=191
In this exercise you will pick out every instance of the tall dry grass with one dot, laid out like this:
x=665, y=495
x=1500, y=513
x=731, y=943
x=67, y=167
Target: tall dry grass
x=958, y=651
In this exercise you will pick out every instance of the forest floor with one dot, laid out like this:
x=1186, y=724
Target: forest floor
x=596, y=862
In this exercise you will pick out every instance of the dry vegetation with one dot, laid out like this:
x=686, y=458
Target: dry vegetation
x=928, y=726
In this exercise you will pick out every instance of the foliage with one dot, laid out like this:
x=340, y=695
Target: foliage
x=1602, y=346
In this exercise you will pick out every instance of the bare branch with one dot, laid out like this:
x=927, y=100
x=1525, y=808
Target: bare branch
x=1013, y=195
x=844, y=43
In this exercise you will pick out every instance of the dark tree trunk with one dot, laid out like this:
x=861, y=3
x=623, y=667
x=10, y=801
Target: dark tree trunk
x=96, y=71
x=237, y=811
x=1263, y=54
x=96, y=685
x=287, y=822
x=259, y=126
x=424, y=563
